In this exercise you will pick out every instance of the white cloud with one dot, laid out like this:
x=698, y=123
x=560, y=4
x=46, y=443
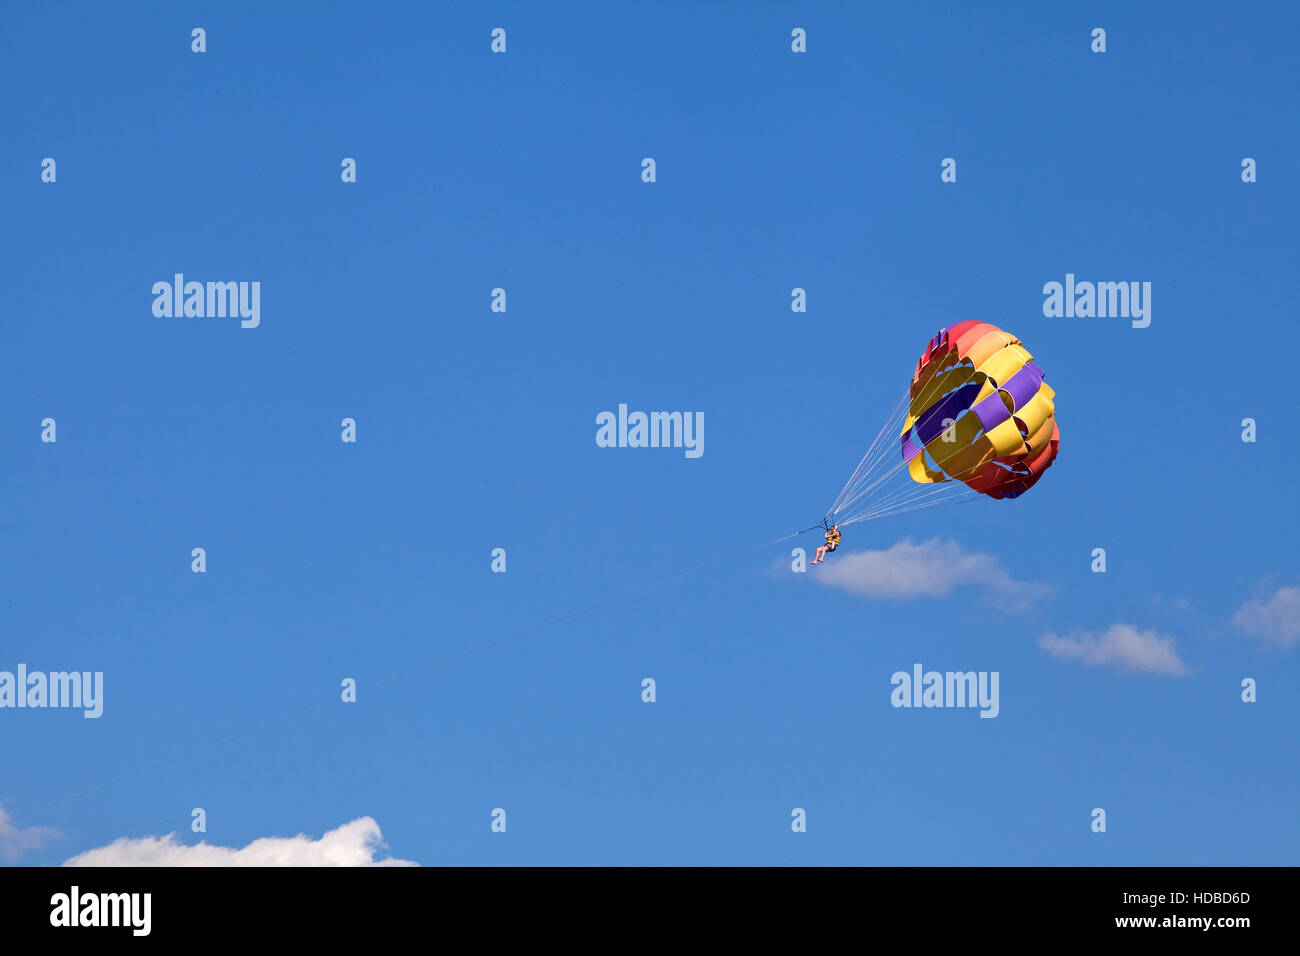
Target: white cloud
x=1122, y=646
x=353, y=844
x=932, y=568
x=1276, y=620
x=15, y=841
x=1166, y=602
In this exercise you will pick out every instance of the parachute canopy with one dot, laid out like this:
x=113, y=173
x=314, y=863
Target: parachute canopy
x=979, y=412
x=977, y=419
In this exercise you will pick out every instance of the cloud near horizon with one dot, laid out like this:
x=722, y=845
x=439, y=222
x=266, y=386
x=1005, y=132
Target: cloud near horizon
x=1276, y=620
x=15, y=841
x=1122, y=646
x=353, y=844
x=932, y=568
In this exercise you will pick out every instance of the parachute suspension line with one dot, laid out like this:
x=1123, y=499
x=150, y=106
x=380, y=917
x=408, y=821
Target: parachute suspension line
x=863, y=492
x=894, y=498
x=876, y=443
x=913, y=490
x=898, y=497
x=954, y=499
x=940, y=494
x=904, y=500
x=866, y=464
x=861, y=487
x=878, y=455
x=890, y=473
x=910, y=495
x=951, y=384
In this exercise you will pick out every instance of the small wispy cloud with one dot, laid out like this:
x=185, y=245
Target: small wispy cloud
x=1275, y=620
x=15, y=841
x=1168, y=603
x=933, y=568
x=1122, y=646
x=353, y=844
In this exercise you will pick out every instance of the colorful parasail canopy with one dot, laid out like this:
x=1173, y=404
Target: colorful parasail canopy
x=979, y=412
x=977, y=417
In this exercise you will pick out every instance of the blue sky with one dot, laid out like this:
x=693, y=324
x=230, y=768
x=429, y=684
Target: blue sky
x=476, y=429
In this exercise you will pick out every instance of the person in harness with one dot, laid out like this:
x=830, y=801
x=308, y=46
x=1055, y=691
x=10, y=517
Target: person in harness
x=832, y=542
